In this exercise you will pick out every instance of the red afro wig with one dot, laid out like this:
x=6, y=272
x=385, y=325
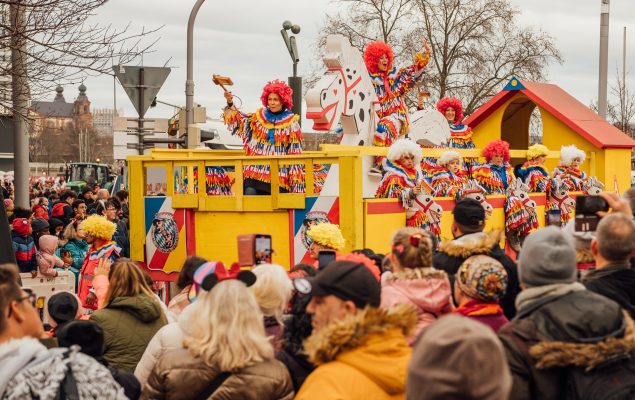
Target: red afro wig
x=453, y=102
x=372, y=54
x=496, y=147
x=281, y=89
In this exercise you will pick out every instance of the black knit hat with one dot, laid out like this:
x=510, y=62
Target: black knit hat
x=469, y=213
x=62, y=307
x=86, y=334
x=39, y=224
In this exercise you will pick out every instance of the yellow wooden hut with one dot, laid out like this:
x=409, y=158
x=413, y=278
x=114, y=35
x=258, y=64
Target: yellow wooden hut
x=565, y=121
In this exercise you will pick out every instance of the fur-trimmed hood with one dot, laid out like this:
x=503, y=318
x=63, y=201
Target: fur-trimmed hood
x=586, y=355
x=373, y=342
x=471, y=244
x=354, y=331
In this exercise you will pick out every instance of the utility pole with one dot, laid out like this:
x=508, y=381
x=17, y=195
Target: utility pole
x=189, y=83
x=20, y=104
x=604, y=56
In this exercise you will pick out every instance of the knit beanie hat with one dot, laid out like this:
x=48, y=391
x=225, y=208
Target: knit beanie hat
x=483, y=278
x=547, y=257
x=21, y=226
x=39, y=224
x=63, y=307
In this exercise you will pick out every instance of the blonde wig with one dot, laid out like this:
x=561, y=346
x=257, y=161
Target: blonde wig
x=448, y=156
x=225, y=328
x=272, y=289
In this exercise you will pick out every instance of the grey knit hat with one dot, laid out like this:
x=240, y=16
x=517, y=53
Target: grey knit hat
x=547, y=257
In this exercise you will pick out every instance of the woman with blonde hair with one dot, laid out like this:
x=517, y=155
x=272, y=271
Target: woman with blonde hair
x=414, y=280
x=273, y=290
x=130, y=317
x=226, y=353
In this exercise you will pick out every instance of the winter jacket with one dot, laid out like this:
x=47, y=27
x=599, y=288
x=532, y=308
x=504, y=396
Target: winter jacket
x=87, y=272
x=122, y=237
x=40, y=212
x=25, y=252
x=169, y=337
x=62, y=211
x=46, y=258
x=29, y=370
x=557, y=330
x=617, y=282
x=363, y=356
x=427, y=289
x=452, y=254
x=128, y=323
x=179, y=376
x=78, y=249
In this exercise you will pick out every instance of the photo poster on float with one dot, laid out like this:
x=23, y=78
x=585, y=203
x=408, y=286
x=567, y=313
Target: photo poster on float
x=165, y=234
x=318, y=209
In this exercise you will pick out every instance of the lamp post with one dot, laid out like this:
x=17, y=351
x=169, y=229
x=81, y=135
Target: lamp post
x=604, y=56
x=189, y=83
x=295, y=81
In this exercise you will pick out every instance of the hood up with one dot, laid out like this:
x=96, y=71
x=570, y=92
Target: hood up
x=142, y=307
x=471, y=244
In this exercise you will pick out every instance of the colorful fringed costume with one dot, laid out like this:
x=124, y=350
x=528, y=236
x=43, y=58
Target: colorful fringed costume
x=534, y=175
x=398, y=182
x=574, y=177
x=218, y=182
x=460, y=134
x=391, y=87
x=447, y=184
x=265, y=133
x=495, y=179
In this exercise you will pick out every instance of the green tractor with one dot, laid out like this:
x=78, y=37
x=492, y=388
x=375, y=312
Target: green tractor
x=81, y=174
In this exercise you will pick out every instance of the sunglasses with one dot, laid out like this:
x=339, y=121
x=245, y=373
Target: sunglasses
x=32, y=297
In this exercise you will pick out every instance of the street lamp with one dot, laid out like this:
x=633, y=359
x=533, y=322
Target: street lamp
x=295, y=81
x=604, y=56
x=189, y=83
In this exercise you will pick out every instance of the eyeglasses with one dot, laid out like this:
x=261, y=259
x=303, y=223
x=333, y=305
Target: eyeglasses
x=32, y=297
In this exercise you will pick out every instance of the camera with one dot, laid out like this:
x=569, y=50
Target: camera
x=586, y=209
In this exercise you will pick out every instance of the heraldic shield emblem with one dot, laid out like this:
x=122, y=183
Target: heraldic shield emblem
x=165, y=232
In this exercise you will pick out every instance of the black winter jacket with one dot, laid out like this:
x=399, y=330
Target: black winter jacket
x=454, y=252
x=617, y=282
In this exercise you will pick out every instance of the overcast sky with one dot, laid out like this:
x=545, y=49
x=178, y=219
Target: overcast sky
x=241, y=39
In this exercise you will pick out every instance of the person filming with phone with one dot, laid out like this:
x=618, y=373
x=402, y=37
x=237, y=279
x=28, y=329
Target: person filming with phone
x=325, y=238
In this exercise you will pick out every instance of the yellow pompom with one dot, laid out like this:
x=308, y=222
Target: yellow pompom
x=99, y=227
x=328, y=235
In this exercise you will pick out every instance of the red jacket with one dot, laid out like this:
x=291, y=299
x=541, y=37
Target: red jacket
x=40, y=212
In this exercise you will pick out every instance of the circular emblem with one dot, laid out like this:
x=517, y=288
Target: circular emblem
x=312, y=218
x=164, y=232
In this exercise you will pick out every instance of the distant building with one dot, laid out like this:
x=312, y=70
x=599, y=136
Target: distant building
x=103, y=120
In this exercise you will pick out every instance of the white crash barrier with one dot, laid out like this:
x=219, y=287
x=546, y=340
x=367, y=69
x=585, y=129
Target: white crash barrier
x=44, y=287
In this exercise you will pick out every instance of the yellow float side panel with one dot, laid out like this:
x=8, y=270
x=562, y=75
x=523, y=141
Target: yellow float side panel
x=216, y=234
x=617, y=164
x=489, y=129
x=379, y=229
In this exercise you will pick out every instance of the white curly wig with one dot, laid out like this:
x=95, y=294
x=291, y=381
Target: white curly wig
x=401, y=147
x=569, y=153
x=449, y=156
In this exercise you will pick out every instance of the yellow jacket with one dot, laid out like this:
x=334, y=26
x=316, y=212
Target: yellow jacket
x=364, y=356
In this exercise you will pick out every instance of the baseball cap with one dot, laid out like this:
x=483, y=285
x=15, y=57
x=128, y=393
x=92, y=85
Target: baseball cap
x=469, y=212
x=346, y=280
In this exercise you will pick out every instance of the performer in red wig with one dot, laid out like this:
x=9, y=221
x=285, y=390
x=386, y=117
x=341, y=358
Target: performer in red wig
x=496, y=174
x=391, y=85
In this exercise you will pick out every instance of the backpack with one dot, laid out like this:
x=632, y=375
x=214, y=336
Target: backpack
x=58, y=209
x=613, y=379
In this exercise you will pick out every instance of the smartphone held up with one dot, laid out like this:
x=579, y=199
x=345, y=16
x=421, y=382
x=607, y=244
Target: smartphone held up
x=254, y=249
x=586, y=212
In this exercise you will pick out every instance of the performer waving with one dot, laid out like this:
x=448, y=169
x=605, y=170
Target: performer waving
x=533, y=172
x=449, y=177
x=271, y=130
x=391, y=85
x=569, y=169
x=496, y=174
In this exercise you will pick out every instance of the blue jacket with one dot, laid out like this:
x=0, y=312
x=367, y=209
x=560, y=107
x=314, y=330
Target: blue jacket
x=24, y=249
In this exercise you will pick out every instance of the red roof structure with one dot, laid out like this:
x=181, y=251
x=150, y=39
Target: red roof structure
x=561, y=105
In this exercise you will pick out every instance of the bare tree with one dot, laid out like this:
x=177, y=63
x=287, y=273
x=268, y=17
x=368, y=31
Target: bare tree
x=64, y=44
x=477, y=45
x=620, y=108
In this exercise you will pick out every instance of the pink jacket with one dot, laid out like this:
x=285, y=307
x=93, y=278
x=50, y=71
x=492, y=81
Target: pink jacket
x=427, y=289
x=46, y=258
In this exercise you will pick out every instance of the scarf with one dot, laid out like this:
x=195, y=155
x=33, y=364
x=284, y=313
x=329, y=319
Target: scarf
x=531, y=295
x=474, y=308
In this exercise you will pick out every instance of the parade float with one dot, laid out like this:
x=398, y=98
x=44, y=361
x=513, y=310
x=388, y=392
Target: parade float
x=175, y=210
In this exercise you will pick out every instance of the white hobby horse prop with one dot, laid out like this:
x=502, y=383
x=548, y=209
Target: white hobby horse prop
x=344, y=96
